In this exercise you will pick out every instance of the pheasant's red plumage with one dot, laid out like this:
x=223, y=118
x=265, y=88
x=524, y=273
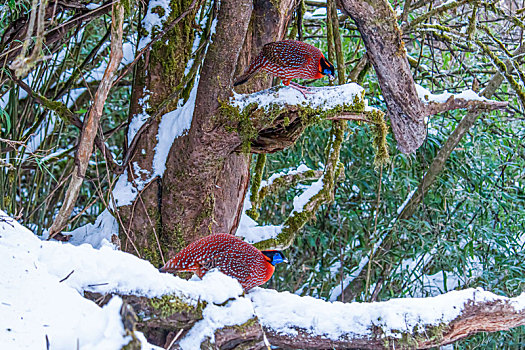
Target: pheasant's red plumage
x=228, y=254
x=288, y=59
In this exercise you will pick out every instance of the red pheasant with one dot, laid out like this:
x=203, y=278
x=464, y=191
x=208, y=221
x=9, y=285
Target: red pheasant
x=230, y=255
x=290, y=59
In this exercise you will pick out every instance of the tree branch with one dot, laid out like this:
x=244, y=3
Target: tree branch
x=377, y=23
x=271, y=120
x=90, y=129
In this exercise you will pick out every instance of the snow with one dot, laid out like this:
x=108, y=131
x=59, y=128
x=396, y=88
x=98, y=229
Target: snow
x=43, y=281
x=153, y=21
x=324, y=98
x=300, y=169
x=124, y=192
x=97, y=234
x=32, y=265
x=35, y=305
x=426, y=96
x=173, y=125
x=409, y=197
x=319, y=13
x=250, y=230
x=235, y=312
x=285, y=312
x=300, y=201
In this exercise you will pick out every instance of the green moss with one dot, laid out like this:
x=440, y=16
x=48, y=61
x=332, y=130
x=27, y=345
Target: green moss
x=172, y=53
x=58, y=107
x=256, y=184
x=178, y=242
x=242, y=327
x=206, y=213
x=150, y=250
x=419, y=334
x=128, y=6
x=242, y=122
x=168, y=305
x=379, y=132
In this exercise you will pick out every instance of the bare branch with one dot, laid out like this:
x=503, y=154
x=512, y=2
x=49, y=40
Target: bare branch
x=377, y=23
x=90, y=129
x=459, y=103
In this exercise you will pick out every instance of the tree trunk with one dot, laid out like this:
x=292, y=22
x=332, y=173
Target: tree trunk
x=206, y=177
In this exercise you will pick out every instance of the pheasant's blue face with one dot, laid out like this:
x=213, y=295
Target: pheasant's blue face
x=275, y=257
x=327, y=68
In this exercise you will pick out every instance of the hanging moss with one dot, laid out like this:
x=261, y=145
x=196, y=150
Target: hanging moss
x=379, y=132
x=255, y=187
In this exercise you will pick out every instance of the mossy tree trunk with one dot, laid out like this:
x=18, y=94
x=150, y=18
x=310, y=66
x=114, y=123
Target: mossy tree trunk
x=206, y=177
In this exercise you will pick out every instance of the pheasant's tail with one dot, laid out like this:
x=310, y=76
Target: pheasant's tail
x=244, y=78
x=250, y=72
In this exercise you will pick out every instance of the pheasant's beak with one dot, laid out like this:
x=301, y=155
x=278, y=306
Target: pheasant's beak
x=286, y=261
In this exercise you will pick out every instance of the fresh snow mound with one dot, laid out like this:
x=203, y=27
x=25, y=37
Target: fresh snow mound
x=43, y=281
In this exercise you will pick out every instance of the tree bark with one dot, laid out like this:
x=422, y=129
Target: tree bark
x=377, y=23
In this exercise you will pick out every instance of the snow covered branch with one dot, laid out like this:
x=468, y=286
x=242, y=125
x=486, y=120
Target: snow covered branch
x=467, y=99
x=273, y=119
x=416, y=323
x=213, y=311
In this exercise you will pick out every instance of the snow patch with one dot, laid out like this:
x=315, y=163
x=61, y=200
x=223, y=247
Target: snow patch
x=324, y=98
x=152, y=20
x=173, y=125
x=97, y=234
x=426, y=96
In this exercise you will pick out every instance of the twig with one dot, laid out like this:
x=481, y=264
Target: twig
x=65, y=278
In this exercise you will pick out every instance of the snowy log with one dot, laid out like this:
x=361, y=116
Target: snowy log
x=295, y=322
x=304, y=322
x=212, y=312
